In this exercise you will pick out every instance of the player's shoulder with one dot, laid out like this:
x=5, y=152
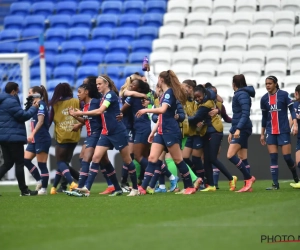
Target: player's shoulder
x=265, y=97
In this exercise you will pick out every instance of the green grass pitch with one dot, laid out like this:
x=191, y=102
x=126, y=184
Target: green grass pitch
x=221, y=220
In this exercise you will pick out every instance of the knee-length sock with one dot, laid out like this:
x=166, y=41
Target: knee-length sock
x=44, y=174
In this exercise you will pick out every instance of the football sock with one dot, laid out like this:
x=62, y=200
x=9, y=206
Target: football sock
x=132, y=174
x=92, y=175
x=245, y=161
x=83, y=174
x=148, y=174
x=44, y=174
x=64, y=169
x=240, y=165
x=216, y=173
x=32, y=169
x=274, y=167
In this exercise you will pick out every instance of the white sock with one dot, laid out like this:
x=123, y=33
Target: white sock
x=44, y=189
x=162, y=186
x=172, y=178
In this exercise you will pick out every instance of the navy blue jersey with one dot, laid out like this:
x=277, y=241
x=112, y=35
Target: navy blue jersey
x=128, y=118
x=43, y=133
x=110, y=125
x=142, y=123
x=93, y=124
x=167, y=123
x=275, y=112
x=297, y=111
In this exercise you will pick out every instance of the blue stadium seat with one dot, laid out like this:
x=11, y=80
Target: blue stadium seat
x=156, y=7
x=81, y=21
x=130, y=20
x=79, y=34
x=111, y=7
x=127, y=34
x=72, y=47
x=129, y=70
x=103, y=34
x=146, y=33
x=98, y=47
x=118, y=46
x=50, y=61
x=32, y=33
x=119, y=83
x=134, y=7
x=34, y=21
x=53, y=83
x=66, y=60
x=85, y=71
x=60, y=21
x=51, y=48
x=35, y=73
x=115, y=58
x=42, y=8
x=8, y=47
x=65, y=72
x=19, y=9
x=56, y=34
x=33, y=83
x=89, y=7
x=66, y=7
x=92, y=59
x=9, y=35
x=78, y=83
x=152, y=19
x=32, y=48
x=107, y=20
x=13, y=22
x=112, y=71
x=144, y=46
x=136, y=57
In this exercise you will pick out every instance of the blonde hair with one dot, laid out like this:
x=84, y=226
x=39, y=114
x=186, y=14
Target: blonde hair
x=128, y=81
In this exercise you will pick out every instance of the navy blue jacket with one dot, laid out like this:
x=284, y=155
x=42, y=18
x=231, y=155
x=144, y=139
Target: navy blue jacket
x=12, y=119
x=241, y=105
x=179, y=112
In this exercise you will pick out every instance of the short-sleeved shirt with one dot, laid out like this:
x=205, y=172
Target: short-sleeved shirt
x=93, y=124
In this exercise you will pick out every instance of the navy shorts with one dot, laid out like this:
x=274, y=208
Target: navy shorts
x=280, y=140
x=168, y=140
x=130, y=135
x=141, y=137
x=117, y=141
x=91, y=141
x=298, y=145
x=242, y=140
x=194, y=142
x=39, y=147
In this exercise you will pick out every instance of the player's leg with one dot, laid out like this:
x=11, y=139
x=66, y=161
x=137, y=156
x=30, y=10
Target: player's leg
x=272, y=143
x=297, y=185
x=28, y=157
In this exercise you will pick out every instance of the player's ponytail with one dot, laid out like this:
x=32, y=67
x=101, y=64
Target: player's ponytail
x=274, y=79
x=43, y=93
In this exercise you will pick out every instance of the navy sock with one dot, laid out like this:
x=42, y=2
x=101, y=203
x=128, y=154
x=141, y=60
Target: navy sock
x=274, y=167
x=32, y=169
x=157, y=173
x=132, y=174
x=124, y=177
x=108, y=181
x=185, y=173
x=189, y=162
x=92, y=175
x=57, y=178
x=241, y=166
x=148, y=174
x=216, y=173
x=64, y=169
x=80, y=160
x=111, y=174
x=144, y=164
x=83, y=174
x=291, y=164
x=162, y=180
x=245, y=161
x=165, y=171
x=44, y=174
x=198, y=166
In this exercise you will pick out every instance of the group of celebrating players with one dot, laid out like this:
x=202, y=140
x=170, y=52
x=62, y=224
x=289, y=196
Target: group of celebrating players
x=186, y=135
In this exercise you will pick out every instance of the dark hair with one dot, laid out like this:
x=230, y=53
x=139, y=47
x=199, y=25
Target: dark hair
x=172, y=81
x=274, y=79
x=42, y=91
x=200, y=88
x=208, y=85
x=191, y=83
x=239, y=81
x=143, y=86
x=297, y=89
x=110, y=82
x=137, y=73
x=91, y=79
x=62, y=90
x=92, y=89
x=11, y=86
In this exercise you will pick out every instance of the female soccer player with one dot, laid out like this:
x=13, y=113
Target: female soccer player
x=113, y=134
x=275, y=124
x=39, y=141
x=65, y=137
x=168, y=134
x=212, y=132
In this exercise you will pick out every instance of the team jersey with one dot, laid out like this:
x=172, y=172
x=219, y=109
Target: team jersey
x=142, y=123
x=166, y=121
x=93, y=124
x=297, y=111
x=110, y=125
x=275, y=108
x=42, y=134
x=128, y=118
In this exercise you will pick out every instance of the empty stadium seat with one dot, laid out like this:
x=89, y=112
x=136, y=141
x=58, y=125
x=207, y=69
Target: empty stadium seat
x=238, y=31
x=127, y=34
x=297, y=30
x=130, y=20
x=107, y=20
x=160, y=58
x=66, y=7
x=183, y=71
x=182, y=57
x=120, y=46
x=43, y=8
x=223, y=81
x=102, y=34
x=141, y=46
x=31, y=33
x=232, y=57
x=84, y=71
x=152, y=19
x=111, y=7
x=294, y=56
x=51, y=48
x=246, y=5
x=65, y=72
x=295, y=43
x=260, y=31
x=112, y=71
x=284, y=30
x=220, y=18
x=217, y=31
x=236, y=44
x=291, y=81
x=170, y=32
x=174, y=19
x=13, y=22
x=276, y=69
x=134, y=7
x=189, y=45
x=212, y=44
x=254, y=57
x=98, y=47
x=204, y=6
x=223, y=6
x=32, y=48
x=146, y=33
x=56, y=34
x=72, y=47
x=258, y=43
x=280, y=43
x=34, y=21
x=19, y=9
x=66, y=60
x=129, y=70
x=115, y=58
x=136, y=57
x=156, y=7
x=295, y=69
x=59, y=21
x=163, y=45
x=8, y=47
x=204, y=70
x=9, y=35
x=81, y=21
x=178, y=6
x=292, y=5
x=35, y=73
x=194, y=19
x=264, y=18
x=227, y=69
x=53, y=83
x=197, y=32
x=78, y=34
x=89, y=7
x=251, y=70
x=242, y=18
x=285, y=17
x=209, y=57
x=270, y=5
